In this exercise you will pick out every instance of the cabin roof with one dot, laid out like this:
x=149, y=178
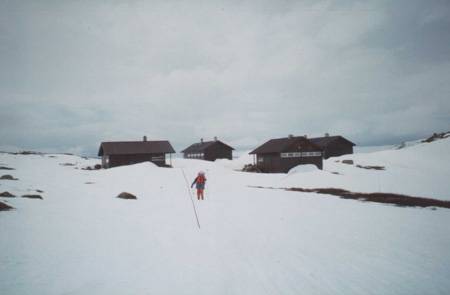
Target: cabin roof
x=280, y=145
x=324, y=141
x=202, y=146
x=135, y=147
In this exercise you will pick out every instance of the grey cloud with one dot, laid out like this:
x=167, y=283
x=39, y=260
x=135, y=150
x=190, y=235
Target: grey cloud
x=242, y=71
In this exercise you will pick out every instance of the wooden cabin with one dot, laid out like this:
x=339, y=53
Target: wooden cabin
x=123, y=153
x=282, y=154
x=208, y=150
x=334, y=146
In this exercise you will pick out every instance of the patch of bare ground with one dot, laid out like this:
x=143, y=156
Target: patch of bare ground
x=4, y=207
x=67, y=164
x=6, y=168
x=8, y=177
x=32, y=197
x=7, y=195
x=26, y=153
x=384, y=198
x=127, y=196
x=96, y=167
x=436, y=136
x=371, y=167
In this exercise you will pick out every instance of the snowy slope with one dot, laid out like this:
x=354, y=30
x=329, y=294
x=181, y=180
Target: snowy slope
x=81, y=239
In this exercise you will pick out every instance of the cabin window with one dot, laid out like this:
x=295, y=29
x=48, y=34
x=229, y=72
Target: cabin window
x=260, y=159
x=290, y=155
x=160, y=158
x=196, y=155
x=312, y=154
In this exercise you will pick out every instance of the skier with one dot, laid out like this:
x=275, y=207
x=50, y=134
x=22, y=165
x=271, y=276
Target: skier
x=200, y=180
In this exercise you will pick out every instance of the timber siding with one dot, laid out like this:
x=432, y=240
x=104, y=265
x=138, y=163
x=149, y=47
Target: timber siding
x=116, y=154
x=282, y=154
x=208, y=151
x=334, y=146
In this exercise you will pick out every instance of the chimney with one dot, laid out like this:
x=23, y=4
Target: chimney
x=201, y=140
x=290, y=136
x=305, y=136
x=327, y=135
x=215, y=138
x=145, y=138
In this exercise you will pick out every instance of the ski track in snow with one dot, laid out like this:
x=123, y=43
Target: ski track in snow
x=81, y=239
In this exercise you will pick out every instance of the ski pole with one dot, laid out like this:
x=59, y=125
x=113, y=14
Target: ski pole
x=193, y=205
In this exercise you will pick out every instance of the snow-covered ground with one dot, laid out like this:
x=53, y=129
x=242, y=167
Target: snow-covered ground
x=81, y=239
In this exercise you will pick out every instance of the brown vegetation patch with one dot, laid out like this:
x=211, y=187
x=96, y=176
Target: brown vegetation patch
x=67, y=164
x=32, y=197
x=4, y=207
x=127, y=196
x=7, y=195
x=435, y=137
x=386, y=198
x=348, y=162
x=6, y=168
x=8, y=177
x=371, y=167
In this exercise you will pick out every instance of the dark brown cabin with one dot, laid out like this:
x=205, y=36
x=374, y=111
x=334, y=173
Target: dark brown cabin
x=208, y=150
x=282, y=154
x=334, y=146
x=123, y=153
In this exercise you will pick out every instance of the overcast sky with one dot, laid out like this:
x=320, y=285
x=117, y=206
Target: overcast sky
x=76, y=73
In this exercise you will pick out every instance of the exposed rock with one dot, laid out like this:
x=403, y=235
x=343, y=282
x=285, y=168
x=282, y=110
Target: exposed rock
x=349, y=162
x=371, y=167
x=251, y=168
x=435, y=137
x=67, y=164
x=127, y=196
x=4, y=207
x=98, y=167
x=7, y=195
x=8, y=177
x=32, y=197
x=6, y=168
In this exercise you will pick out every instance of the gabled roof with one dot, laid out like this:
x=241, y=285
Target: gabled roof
x=324, y=141
x=202, y=146
x=135, y=147
x=280, y=145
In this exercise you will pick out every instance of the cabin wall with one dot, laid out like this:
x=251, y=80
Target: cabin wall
x=269, y=163
x=218, y=151
x=287, y=164
x=122, y=160
x=338, y=148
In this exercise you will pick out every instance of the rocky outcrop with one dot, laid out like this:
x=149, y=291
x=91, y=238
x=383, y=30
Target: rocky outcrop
x=127, y=196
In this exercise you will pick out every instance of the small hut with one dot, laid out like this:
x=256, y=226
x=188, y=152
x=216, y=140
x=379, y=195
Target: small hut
x=334, y=146
x=123, y=153
x=208, y=150
x=282, y=154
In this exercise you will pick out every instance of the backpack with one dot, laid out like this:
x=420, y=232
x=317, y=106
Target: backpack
x=200, y=180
